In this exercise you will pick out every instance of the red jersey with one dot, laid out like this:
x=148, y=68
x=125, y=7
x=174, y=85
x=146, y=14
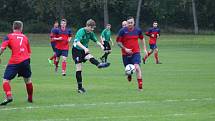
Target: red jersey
x=155, y=32
x=64, y=43
x=129, y=39
x=53, y=34
x=19, y=45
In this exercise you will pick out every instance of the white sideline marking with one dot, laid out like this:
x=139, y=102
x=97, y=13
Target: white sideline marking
x=119, y=117
x=101, y=104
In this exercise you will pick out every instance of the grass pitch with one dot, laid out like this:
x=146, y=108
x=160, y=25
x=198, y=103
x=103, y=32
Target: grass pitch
x=180, y=89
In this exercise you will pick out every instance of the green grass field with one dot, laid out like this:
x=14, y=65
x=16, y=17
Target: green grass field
x=180, y=89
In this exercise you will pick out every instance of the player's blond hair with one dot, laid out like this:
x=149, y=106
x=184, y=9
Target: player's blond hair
x=17, y=25
x=91, y=23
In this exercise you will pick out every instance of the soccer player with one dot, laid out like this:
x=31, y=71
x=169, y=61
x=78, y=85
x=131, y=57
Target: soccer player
x=127, y=40
x=124, y=24
x=19, y=62
x=154, y=34
x=81, y=53
x=63, y=38
x=53, y=44
x=105, y=39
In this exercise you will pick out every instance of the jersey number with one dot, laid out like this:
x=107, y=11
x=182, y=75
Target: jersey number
x=20, y=39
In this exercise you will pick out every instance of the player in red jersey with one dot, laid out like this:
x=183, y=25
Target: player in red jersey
x=19, y=62
x=127, y=40
x=63, y=37
x=53, y=43
x=154, y=34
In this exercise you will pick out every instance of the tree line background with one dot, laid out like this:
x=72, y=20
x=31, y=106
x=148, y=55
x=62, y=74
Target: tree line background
x=185, y=16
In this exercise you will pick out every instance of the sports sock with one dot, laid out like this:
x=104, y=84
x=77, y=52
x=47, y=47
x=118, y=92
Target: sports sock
x=63, y=66
x=79, y=79
x=7, y=89
x=56, y=63
x=94, y=61
x=106, y=56
x=140, y=83
x=29, y=88
x=156, y=57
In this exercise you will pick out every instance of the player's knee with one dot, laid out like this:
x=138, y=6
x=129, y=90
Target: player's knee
x=27, y=80
x=87, y=57
x=78, y=67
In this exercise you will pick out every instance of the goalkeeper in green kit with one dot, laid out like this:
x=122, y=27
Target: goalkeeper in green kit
x=81, y=53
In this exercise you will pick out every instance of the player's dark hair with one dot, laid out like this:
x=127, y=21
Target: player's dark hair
x=64, y=20
x=17, y=25
x=130, y=17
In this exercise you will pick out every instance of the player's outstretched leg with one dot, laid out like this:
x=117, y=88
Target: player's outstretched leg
x=7, y=90
x=99, y=65
x=146, y=56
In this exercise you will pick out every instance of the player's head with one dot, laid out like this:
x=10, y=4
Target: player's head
x=155, y=24
x=90, y=25
x=63, y=23
x=130, y=22
x=17, y=25
x=108, y=26
x=56, y=24
x=124, y=24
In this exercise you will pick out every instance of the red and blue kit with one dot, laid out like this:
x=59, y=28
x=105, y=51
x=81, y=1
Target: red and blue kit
x=153, y=34
x=19, y=45
x=65, y=34
x=129, y=39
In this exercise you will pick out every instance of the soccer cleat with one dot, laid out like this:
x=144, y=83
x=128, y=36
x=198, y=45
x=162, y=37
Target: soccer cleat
x=103, y=65
x=144, y=61
x=81, y=90
x=158, y=62
x=129, y=77
x=30, y=100
x=50, y=62
x=6, y=101
x=63, y=74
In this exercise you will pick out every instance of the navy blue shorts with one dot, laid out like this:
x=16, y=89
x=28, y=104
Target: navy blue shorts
x=152, y=46
x=62, y=53
x=22, y=69
x=53, y=44
x=131, y=59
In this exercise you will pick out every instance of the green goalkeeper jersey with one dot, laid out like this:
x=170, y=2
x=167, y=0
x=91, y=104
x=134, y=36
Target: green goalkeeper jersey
x=84, y=37
x=106, y=34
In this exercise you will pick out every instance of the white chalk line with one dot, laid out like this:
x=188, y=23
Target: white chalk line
x=5, y=108
x=124, y=117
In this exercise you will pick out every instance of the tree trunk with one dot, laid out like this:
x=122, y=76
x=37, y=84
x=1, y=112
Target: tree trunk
x=196, y=29
x=106, y=16
x=138, y=13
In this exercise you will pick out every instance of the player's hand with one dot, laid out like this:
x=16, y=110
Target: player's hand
x=158, y=36
x=60, y=38
x=129, y=51
x=152, y=35
x=102, y=47
x=86, y=50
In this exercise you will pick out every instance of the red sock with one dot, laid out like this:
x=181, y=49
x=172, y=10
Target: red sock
x=148, y=54
x=140, y=83
x=64, y=66
x=56, y=63
x=29, y=88
x=7, y=89
x=156, y=57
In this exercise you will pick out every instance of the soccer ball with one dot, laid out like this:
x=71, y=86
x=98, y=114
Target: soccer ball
x=129, y=69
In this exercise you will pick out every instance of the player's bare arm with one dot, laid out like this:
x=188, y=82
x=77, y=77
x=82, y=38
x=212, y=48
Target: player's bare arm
x=98, y=43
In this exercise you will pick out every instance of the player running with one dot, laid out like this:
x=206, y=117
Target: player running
x=63, y=37
x=19, y=62
x=53, y=44
x=81, y=53
x=154, y=34
x=105, y=39
x=127, y=40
